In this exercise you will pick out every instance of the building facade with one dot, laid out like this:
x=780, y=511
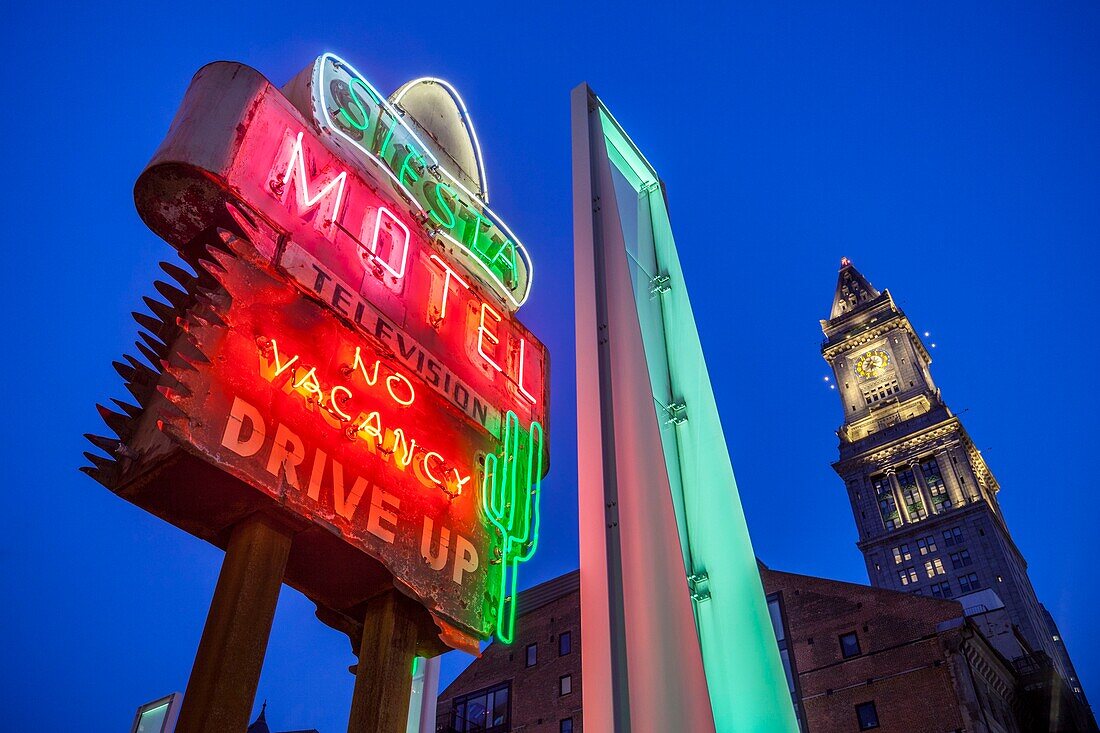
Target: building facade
x=855, y=657
x=532, y=685
x=861, y=658
x=923, y=498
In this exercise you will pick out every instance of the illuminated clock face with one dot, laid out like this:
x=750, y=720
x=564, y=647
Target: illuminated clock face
x=872, y=364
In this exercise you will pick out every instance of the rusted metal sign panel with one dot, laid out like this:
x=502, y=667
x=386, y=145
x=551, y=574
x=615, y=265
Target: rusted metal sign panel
x=337, y=363
x=290, y=400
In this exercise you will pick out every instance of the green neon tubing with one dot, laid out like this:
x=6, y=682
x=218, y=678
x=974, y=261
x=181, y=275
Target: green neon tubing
x=439, y=187
x=510, y=499
x=413, y=175
x=358, y=103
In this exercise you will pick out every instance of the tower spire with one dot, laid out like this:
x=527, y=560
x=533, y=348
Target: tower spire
x=852, y=289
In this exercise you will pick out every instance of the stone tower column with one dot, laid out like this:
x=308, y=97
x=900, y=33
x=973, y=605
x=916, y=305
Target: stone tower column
x=947, y=470
x=922, y=486
x=899, y=500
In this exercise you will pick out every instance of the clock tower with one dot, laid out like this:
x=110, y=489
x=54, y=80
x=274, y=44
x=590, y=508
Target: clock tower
x=923, y=498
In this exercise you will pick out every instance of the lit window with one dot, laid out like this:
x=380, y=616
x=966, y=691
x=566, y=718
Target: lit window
x=907, y=575
x=565, y=684
x=934, y=568
x=881, y=391
x=866, y=715
x=969, y=582
x=936, y=487
x=532, y=654
x=926, y=545
x=566, y=726
x=849, y=645
x=901, y=554
x=565, y=643
x=886, y=505
x=942, y=590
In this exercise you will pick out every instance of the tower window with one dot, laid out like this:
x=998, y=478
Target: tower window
x=930, y=467
x=907, y=575
x=901, y=554
x=942, y=590
x=887, y=507
x=969, y=582
x=927, y=545
x=934, y=567
x=960, y=559
x=953, y=536
x=879, y=392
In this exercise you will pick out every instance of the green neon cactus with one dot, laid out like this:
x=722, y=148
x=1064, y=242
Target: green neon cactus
x=510, y=500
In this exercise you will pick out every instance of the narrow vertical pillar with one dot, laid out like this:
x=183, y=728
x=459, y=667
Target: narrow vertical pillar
x=222, y=687
x=383, y=676
x=922, y=487
x=947, y=470
x=895, y=487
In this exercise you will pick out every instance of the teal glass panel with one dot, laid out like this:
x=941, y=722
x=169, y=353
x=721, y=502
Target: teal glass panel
x=748, y=687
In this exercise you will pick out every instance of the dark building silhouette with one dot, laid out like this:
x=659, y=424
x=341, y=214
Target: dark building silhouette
x=259, y=725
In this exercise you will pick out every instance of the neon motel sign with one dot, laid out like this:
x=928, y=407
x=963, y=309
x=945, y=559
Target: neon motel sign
x=361, y=363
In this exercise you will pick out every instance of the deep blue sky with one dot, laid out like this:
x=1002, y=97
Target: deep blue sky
x=950, y=149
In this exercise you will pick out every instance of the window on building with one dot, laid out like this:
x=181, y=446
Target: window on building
x=902, y=554
x=926, y=545
x=775, y=610
x=907, y=575
x=886, y=505
x=565, y=684
x=565, y=726
x=849, y=645
x=953, y=536
x=930, y=467
x=934, y=567
x=910, y=494
x=565, y=643
x=485, y=711
x=879, y=392
x=961, y=559
x=532, y=654
x=867, y=715
x=969, y=582
x=942, y=590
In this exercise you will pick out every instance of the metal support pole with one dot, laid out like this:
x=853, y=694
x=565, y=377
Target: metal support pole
x=383, y=676
x=222, y=687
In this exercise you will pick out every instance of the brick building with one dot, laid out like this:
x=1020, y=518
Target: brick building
x=532, y=685
x=856, y=657
x=862, y=658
